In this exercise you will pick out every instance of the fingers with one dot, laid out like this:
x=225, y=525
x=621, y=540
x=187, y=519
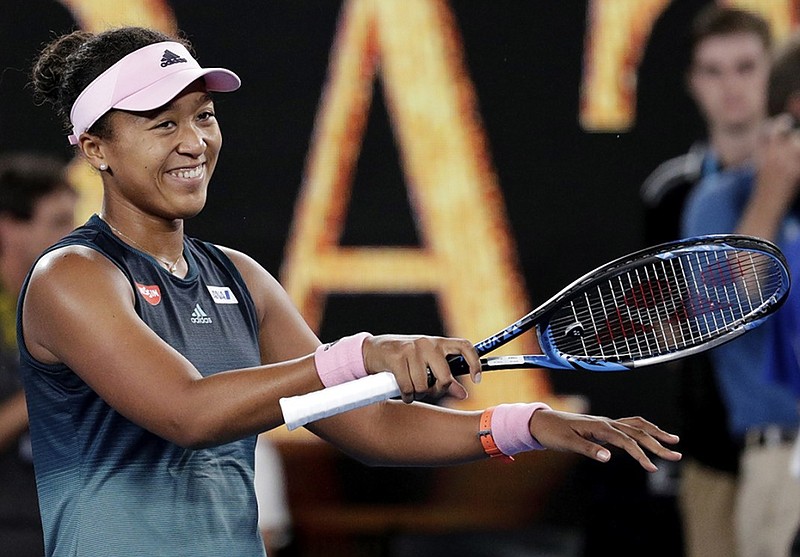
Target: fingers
x=779, y=151
x=467, y=351
x=414, y=361
x=781, y=124
x=591, y=436
x=607, y=434
x=635, y=436
x=655, y=434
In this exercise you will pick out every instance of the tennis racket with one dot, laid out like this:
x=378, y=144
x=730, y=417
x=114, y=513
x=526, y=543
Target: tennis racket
x=652, y=306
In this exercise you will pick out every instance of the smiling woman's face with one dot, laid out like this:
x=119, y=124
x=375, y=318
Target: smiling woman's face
x=161, y=161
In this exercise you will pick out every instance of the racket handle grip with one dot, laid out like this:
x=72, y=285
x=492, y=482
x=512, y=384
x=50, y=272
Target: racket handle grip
x=458, y=365
x=302, y=409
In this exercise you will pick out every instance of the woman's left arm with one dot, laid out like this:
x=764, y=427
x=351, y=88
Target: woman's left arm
x=419, y=434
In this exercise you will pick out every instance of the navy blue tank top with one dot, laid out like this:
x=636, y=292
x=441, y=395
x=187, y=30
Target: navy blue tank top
x=109, y=487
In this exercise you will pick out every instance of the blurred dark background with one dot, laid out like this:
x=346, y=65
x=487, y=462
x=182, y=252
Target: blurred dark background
x=571, y=194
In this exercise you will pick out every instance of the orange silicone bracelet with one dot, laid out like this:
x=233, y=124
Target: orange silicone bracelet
x=485, y=435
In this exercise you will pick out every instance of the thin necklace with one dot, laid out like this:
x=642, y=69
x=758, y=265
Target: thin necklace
x=171, y=267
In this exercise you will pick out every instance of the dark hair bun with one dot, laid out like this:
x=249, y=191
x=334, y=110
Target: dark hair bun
x=68, y=64
x=48, y=73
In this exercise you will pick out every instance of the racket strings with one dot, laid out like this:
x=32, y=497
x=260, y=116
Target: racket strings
x=666, y=305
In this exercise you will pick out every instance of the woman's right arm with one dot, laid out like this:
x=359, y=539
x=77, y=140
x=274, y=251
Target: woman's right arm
x=79, y=310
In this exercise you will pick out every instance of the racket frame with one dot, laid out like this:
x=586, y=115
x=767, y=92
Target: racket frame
x=539, y=318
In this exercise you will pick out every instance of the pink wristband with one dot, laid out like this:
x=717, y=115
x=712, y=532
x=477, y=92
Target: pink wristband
x=511, y=427
x=341, y=361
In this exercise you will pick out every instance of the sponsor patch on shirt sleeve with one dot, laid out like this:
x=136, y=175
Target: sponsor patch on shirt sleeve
x=222, y=295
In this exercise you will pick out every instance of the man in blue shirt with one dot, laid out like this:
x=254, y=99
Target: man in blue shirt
x=727, y=79
x=757, y=199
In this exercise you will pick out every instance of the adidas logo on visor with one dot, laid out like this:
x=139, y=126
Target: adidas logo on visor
x=170, y=58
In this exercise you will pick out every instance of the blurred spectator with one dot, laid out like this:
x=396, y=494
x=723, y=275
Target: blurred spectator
x=775, y=200
x=757, y=199
x=727, y=79
x=37, y=207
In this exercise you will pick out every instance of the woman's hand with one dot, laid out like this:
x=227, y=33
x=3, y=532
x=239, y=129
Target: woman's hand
x=410, y=357
x=588, y=435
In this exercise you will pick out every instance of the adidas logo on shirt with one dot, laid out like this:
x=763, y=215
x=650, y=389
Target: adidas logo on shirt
x=170, y=58
x=199, y=316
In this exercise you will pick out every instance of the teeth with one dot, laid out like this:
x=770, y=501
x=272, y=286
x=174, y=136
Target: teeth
x=188, y=174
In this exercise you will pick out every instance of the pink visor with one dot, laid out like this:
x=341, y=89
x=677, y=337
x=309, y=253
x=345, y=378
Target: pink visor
x=143, y=80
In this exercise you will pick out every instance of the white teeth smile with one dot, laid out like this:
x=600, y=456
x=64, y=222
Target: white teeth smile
x=195, y=172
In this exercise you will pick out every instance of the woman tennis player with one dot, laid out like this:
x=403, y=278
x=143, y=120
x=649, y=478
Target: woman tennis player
x=151, y=360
